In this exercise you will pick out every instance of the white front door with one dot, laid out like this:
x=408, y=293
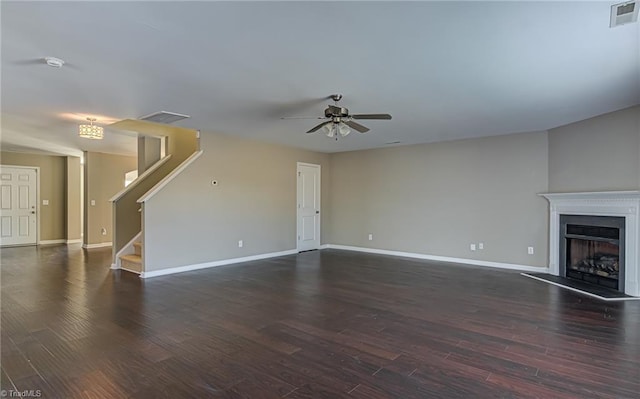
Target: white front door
x=18, y=219
x=308, y=206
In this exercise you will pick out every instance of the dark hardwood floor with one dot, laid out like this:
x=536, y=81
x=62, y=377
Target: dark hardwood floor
x=329, y=324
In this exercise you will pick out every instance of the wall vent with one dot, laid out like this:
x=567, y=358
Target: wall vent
x=624, y=13
x=164, y=117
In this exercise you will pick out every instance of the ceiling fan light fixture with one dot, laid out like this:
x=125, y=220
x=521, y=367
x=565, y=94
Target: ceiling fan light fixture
x=91, y=131
x=343, y=129
x=329, y=129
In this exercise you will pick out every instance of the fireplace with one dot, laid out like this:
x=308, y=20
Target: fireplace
x=594, y=235
x=592, y=249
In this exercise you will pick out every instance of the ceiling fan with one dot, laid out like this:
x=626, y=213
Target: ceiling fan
x=50, y=61
x=339, y=121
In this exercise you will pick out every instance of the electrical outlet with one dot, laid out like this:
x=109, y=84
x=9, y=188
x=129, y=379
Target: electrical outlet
x=45, y=202
x=93, y=202
x=530, y=250
x=370, y=237
x=472, y=247
x=240, y=243
x=480, y=245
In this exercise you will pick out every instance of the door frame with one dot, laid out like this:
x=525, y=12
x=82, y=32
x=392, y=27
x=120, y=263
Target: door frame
x=319, y=167
x=37, y=169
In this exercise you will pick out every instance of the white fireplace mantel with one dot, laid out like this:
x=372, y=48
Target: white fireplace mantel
x=607, y=203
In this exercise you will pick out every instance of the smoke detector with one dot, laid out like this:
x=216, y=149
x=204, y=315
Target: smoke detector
x=54, y=62
x=624, y=13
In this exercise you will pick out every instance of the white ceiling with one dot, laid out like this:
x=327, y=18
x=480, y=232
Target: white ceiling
x=444, y=70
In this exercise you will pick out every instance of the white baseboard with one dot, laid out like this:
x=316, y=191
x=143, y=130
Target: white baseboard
x=77, y=241
x=324, y=246
x=115, y=266
x=474, y=262
x=49, y=242
x=188, y=268
x=99, y=245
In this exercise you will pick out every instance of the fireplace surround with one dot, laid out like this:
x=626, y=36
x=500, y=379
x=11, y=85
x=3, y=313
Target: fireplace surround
x=587, y=209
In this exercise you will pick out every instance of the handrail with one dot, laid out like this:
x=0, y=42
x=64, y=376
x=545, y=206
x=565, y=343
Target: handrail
x=140, y=178
x=172, y=175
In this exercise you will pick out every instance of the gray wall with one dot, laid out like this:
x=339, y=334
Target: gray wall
x=255, y=201
x=439, y=198
x=433, y=199
x=597, y=154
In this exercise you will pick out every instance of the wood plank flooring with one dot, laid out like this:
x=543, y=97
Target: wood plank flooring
x=322, y=324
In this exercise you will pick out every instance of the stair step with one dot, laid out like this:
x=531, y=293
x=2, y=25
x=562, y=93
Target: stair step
x=137, y=247
x=131, y=262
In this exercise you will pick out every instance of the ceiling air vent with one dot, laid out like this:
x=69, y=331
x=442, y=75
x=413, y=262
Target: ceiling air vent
x=164, y=117
x=624, y=13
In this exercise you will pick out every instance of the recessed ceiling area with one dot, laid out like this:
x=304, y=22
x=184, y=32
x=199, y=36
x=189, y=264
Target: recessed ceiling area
x=444, y=70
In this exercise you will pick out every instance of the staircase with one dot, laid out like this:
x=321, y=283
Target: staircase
x=182, y=147
x=133, y=262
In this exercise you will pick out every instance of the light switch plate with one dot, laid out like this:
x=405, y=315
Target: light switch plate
x=45, y=202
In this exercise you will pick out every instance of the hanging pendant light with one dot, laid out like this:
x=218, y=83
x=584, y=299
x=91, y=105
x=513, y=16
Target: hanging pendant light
x=91, y=131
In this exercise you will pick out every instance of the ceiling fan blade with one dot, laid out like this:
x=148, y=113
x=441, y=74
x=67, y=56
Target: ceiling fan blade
x=43, y=61
x=356, y=126
x=371, y=116
x=303, y=117
x=315, y=128
x=34, y=61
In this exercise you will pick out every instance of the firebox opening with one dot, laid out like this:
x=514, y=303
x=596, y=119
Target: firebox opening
x=592, y=249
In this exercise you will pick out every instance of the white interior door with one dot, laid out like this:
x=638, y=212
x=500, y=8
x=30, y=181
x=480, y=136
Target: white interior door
x=308, y=206
x=18, y=200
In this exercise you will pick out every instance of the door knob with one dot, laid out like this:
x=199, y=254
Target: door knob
x=317, y=212
x=33, y=212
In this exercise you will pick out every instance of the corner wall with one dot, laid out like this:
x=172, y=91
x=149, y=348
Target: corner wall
x=73, y=199
x=597, y=154
x=437, y=199
x=104, y=177
x=254, y=201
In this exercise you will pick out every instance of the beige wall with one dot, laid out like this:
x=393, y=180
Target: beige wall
x=52, y=188
x=104, y=177
x=149, y=152
x=255, y=201
x=437, y=199
x=597, y=154
x=73, y=197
